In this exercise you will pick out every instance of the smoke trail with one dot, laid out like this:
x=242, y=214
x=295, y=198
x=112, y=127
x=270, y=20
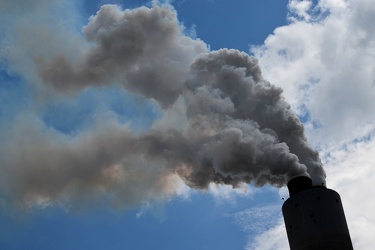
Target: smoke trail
x=222, y=121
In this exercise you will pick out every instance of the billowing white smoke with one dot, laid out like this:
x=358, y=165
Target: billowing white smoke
x=222, y=121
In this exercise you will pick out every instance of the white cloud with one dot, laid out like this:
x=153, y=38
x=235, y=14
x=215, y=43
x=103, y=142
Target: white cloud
x=227, y=193
x=258, y=219
x=324, y=60
x=325, y=69
x=271, y=239
x=301, y=8
x=352, y=174
x=264, y=226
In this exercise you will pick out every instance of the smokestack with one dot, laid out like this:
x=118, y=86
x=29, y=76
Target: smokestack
x=314, y=217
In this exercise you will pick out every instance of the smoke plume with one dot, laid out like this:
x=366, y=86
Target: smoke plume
x=221, y=123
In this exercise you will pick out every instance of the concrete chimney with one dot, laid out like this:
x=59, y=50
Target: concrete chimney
x=314, y=217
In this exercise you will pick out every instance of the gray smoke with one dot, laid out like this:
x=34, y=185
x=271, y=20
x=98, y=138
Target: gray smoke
x=222, y=122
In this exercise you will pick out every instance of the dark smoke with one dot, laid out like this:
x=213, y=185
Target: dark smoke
x=222, y=122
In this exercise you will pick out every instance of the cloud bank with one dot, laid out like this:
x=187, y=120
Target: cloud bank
x=323, y=59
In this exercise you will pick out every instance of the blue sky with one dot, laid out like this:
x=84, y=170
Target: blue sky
x=222, y=24
x=314, y=50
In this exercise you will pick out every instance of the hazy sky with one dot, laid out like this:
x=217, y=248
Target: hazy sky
x=93, y=156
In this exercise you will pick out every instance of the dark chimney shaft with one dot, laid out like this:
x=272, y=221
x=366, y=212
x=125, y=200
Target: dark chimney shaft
x=314, y=217
x=299, y=184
